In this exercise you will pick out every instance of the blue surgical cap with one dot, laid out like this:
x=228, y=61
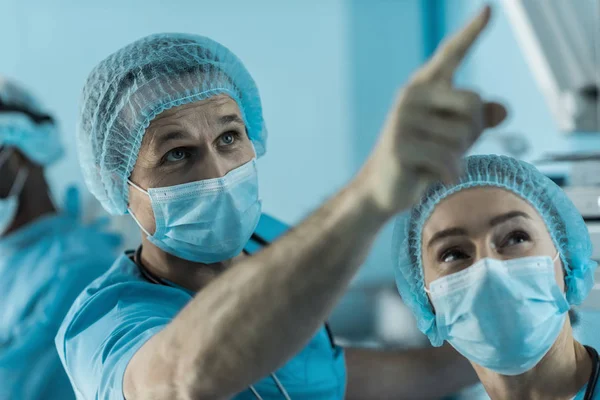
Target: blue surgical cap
x=564, y=223
x=25, y=125
x=127, y=90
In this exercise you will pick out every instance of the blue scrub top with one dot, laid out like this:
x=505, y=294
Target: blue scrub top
x=43, y=268
x=121, y=310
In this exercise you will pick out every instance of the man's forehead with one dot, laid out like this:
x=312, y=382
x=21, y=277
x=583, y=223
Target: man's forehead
x=217, y=101
x=174, y=123
x=211, y=111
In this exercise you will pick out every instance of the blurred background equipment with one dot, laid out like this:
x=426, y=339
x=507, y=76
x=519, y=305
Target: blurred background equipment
x=559, y=40
x=582, y=185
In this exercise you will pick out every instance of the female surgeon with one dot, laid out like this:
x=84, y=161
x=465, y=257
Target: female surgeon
x=492, y=263
x=169, y=133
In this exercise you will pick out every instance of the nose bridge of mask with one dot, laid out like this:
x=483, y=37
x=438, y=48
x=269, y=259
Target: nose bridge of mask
x=457, y=280
x=481, y=269
x=204, y=187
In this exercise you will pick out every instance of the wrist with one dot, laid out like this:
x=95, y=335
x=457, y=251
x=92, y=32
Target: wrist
x=390, y=188
x=373, y=194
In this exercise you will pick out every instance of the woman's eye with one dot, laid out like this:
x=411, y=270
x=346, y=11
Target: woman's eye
x=177, y=155
x=515, y=238
x=452, y=255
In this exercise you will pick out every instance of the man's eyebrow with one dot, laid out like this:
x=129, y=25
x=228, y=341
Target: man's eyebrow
x=226, y=119
x=161, y=138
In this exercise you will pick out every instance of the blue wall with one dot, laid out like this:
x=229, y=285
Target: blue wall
x=386, y=46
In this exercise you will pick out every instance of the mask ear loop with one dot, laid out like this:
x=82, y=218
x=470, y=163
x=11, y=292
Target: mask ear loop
x=5, y=155
x=19, y=183
x=138, y=188
x=556, y=257
x=131, y=212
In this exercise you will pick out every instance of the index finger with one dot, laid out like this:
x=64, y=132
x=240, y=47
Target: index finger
x=450, y=54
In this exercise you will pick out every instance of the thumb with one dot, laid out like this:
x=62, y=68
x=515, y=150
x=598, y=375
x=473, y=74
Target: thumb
x=494, y=114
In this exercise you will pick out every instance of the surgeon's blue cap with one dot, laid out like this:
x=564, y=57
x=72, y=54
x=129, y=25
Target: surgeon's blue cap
x=26, y=125
x=565, y=225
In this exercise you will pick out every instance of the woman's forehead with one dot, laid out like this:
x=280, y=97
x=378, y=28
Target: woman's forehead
x=476, y=207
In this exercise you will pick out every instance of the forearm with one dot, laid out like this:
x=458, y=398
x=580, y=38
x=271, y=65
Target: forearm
x=416, y=374
x=264, y=309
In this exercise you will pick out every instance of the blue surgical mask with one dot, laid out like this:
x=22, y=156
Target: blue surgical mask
x=10, y=204
x=502, y=315
x=206, y=221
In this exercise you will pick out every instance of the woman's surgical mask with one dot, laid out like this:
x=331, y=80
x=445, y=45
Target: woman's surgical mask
x=10, y=204
x=206, y=221
x=502, y=315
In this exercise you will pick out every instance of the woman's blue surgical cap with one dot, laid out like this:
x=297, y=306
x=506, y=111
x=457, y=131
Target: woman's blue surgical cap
x=127, y=90
x=25, y=125
x=565, y=225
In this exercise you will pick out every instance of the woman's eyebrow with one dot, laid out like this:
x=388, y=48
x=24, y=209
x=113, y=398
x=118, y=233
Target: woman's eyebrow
x=463, y=232
x=509, y=215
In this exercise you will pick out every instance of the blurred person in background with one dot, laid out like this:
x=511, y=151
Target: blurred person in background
x=47, y=256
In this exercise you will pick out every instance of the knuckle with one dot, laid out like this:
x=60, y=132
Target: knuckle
x=412, y=95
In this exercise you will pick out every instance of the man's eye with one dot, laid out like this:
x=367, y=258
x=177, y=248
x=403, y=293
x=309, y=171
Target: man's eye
x=228, y=138
x=176, y=155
